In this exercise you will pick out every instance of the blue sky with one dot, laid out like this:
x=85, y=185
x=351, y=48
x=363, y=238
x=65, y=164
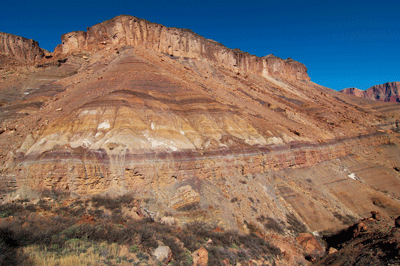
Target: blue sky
x=342, y=43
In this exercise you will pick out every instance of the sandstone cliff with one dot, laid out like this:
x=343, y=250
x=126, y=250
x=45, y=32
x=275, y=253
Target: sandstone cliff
x=20, y=48
x=128, y=30
x=387, y=92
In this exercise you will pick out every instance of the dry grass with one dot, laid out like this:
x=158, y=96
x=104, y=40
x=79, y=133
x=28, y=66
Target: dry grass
x=77, y=253
x=40, y=256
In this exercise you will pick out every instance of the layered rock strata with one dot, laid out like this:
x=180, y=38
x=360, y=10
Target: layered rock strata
x=20, y=48
x=269, y=181
x=128, y=30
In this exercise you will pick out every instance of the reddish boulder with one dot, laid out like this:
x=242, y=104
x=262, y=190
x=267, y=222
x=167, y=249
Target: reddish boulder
x=200, y=257
x=310, y=245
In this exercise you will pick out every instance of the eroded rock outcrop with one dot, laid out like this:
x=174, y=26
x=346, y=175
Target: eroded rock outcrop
x=128, y=30
x=20, y=48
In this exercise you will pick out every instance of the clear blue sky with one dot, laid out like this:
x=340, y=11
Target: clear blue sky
x=342, y=43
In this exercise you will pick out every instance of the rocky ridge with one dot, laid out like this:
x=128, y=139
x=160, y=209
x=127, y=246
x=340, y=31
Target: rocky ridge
x=387, y=92
x=129, y=30
x=20, y=49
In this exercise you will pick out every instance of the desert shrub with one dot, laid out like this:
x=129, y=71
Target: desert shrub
x=217, y=254
x=30, y=208
x=257, y=246
x=97, y=214
x=142, y=256
x=346, y=220
x=295, y=225
x=184, y=259
x=272, y=224
x=189, y=240
x=147, y=237
x=44, y=205
x=199, y=228
x=252, y=227
x=112, y=203
x=10, y=209
x=225, y=238
x=173, y=245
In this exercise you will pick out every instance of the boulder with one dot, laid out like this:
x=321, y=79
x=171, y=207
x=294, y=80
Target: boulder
x=163, y=254
x=332, y=250
x=310, y=244
x=376, y=215
x=200, y=257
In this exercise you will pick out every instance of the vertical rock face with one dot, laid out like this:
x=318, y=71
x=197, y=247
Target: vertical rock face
x=20, y=48
x=72, y=41
x=128, y=30
x=388, y=92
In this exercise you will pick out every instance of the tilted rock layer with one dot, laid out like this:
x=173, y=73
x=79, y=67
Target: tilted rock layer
x=196, y=131
x=388, y=92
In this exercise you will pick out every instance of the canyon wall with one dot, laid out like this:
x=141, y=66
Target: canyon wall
x=128, y=30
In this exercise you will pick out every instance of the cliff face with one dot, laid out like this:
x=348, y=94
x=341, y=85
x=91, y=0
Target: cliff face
x=388, y=92
x=20, y=48
x=128, y=30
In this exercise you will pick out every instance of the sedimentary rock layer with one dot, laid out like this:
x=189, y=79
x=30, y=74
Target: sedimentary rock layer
x=128, y=30
x=20, y=48
x=337, y=181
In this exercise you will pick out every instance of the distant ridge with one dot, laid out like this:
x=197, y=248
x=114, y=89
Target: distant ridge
x=387, y=92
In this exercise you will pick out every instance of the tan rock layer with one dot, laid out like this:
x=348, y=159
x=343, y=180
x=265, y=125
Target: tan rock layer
x=270, y=181
x=129, y=30
x=88, y=171
x=20, y=48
